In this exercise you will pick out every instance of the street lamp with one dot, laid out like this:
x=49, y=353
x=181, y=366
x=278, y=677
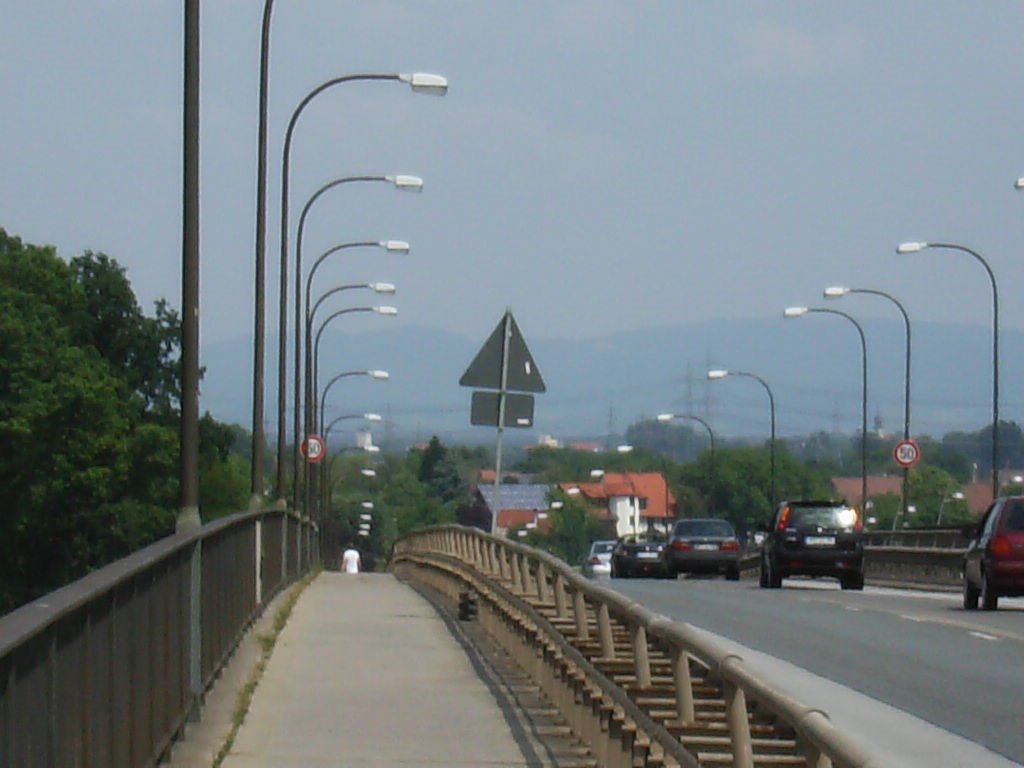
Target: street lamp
x=915, y=248
x=310, y=421
x=958, y=496
x=401, y=182
x=665, y=418
x=836, y=292
x=721, y=374
x=792, y=312
x=419, y=82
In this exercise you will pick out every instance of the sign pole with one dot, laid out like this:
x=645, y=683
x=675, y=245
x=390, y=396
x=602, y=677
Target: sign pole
x=506, y=335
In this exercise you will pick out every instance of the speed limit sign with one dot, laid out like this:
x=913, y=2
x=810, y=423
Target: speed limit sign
x=313, y=448
x=906, y=453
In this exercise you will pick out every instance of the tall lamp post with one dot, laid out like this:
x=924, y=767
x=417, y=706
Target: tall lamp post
x=419, y=82
x=369, y=417
x=400, y=182
x=800, y=312
x=308, y=422
x=721, y=374
x=915, y=248
x=836, y=292
x=665, y=418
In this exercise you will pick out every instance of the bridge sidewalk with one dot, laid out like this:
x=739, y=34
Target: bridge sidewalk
x=366, y=673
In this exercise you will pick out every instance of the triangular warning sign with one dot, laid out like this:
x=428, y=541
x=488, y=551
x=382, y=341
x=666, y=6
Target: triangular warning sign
x=522, y=373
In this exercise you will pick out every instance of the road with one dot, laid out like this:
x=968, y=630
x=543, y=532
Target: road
x=915, y=651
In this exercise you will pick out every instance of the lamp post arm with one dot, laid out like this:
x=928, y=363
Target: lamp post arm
x=331, y=383
x=323, y=257
x=771, y=443
x=316, y=341
x=864, y=400
x=282, y=397
x=995, y=358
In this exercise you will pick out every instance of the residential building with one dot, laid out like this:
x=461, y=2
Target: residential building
x=631, y=502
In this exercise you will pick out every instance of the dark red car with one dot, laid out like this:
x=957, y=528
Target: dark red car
x=994, y=562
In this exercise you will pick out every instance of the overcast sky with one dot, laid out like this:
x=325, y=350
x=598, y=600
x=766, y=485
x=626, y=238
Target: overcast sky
x=596, y=165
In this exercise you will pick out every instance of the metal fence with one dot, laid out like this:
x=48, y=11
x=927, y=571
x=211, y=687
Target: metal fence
x=637, y=688
x=106, y=671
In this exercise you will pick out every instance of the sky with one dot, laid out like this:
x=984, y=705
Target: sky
x=596, y=165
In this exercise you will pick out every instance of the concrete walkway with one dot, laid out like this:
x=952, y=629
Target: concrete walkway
x=366, y=673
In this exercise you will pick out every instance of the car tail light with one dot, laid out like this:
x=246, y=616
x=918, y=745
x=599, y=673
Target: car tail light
x=784, y=518
x=595, y=561
x=682, y=546
x=730, y=546
x=1000, y=547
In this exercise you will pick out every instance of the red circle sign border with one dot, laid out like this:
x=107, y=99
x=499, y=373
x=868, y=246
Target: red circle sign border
x=909, y=443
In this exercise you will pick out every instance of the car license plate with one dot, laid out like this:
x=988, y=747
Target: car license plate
x=820, y=541
x=706, y=547
x=647, y=555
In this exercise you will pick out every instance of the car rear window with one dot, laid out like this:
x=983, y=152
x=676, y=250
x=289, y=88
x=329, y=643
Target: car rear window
x=601, y=547
x=825, y=517
x=1013, y=519
x=716, y=528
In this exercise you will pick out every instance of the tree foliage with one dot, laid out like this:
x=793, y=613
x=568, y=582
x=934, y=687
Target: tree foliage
x=88, y=423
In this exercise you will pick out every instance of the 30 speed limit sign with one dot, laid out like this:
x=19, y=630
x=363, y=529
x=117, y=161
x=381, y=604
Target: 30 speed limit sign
x=312, y=448
x=906, y=453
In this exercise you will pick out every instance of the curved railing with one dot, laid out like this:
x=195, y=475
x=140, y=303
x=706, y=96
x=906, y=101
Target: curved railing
x=106, y=671
x=633, y=685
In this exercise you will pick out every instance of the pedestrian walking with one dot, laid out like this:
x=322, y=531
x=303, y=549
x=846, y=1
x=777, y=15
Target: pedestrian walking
x=350, y=560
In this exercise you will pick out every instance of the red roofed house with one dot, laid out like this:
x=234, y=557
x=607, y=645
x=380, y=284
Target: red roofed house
x=848, y=488
x=631, y=501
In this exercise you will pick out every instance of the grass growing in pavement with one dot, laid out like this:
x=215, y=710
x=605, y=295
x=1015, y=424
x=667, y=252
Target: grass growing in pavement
x=267, y=642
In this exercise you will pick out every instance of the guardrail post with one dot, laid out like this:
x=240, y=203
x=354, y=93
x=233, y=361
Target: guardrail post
x=543, y=593
x=641, y=660
x=195, y=635
x=561, y=604
x=739, y=725
x=524, y=573
x=514, y=567
x=685, y=709
x=604, y=628
x=579, y=608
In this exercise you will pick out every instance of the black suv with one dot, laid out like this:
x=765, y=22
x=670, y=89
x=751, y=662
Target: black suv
x=814, y=538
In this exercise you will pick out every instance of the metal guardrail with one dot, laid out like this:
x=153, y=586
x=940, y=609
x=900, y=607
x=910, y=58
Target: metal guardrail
x=636, y=687
x=106, y=671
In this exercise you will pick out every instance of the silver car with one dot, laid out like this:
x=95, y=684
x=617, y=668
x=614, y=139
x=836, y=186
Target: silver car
x=599, y=559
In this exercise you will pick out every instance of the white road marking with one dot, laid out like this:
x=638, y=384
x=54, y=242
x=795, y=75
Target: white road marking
x=983, y=636
x=908, y=617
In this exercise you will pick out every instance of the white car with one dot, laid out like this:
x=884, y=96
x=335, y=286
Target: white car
x=599, y=559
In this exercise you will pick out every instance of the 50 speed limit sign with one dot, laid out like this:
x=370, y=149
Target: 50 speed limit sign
x=906, y=453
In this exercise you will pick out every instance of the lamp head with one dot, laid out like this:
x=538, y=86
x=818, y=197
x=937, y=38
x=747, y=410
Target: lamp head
x=399, y=246
x=910, y=247
x=597, y=473
x=794, y=312
x=717, y=373
x=664, y=417
x=368, y=472
x=624, y=448
x=365, y=517
x=1019, y=184
x=366, y=504
x=836, y=292
x=372, y=416
x=386, y=310
x=959, y=495
x=371, y=448
x=376, y=374
x=424, y=82
x=408, y=183
x=382, y=287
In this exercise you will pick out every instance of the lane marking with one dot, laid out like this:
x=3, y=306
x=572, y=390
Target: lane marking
x=983, y=636
x=908, y=617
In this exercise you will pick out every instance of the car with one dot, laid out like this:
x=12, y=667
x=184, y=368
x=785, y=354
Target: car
x=814, y=538
x=640, y=555
x=994, y=561
x=599, y=559
x=704, y=545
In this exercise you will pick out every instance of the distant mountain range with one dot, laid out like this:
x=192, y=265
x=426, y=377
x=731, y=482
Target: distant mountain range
x=599, y=386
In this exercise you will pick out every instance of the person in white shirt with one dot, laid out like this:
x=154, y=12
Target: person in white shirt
x=350, y=560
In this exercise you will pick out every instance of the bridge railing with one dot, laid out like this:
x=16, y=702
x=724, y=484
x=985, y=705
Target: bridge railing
x=106, y=671
x=634, y=685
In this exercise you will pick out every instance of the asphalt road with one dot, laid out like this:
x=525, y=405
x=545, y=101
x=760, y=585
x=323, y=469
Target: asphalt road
x=917, y=652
